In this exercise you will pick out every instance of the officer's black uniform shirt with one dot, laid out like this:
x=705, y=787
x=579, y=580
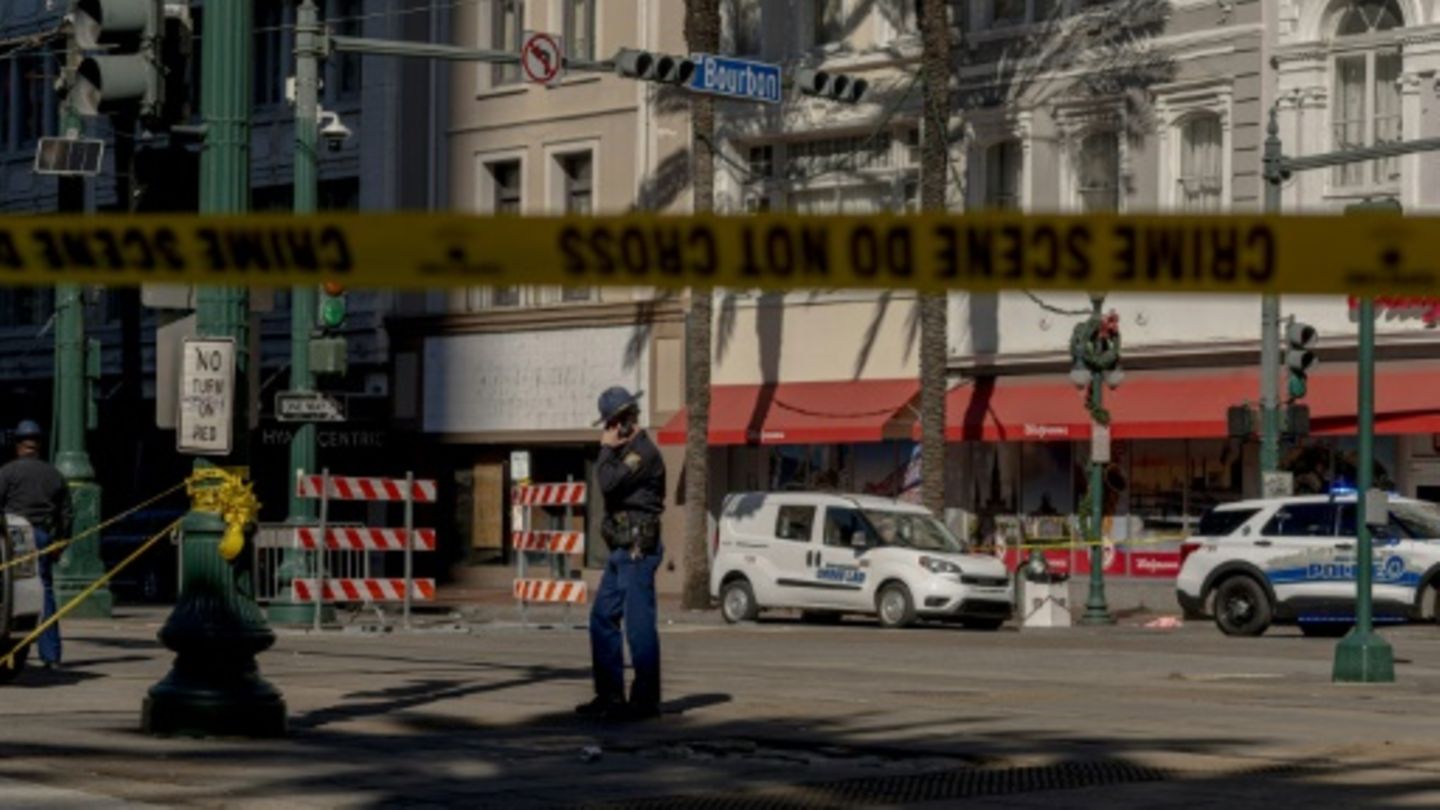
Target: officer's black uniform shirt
x=632, y=476
x=36, y=491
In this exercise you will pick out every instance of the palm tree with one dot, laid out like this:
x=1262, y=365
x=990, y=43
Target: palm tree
x=934, y=323
x=702, y=35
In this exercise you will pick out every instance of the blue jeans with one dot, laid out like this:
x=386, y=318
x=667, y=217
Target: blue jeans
x=627, y=592
x=50, y=639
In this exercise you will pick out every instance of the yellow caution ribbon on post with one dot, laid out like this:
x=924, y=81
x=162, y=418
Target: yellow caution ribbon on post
x=228, y=495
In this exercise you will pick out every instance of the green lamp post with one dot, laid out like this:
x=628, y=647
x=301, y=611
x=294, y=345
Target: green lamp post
x=216, y=629
x=1095, y=349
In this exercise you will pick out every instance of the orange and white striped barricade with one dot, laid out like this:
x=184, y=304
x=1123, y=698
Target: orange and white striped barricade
x=557, y=545
x=327, y=487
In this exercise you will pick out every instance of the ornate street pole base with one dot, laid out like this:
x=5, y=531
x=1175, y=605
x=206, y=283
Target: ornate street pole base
x=216, y=630
x=297, y=614
x=1364, y=658
x=1097, y=616
x=80, y=565
x=1097, y=610
x=283, y=610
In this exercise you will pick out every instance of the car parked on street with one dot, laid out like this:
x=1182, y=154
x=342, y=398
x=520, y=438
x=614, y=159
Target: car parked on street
x=828, y=555
x=1292, y=560
x=21, y=595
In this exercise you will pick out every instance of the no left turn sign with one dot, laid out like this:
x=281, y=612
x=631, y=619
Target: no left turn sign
x=541, y=57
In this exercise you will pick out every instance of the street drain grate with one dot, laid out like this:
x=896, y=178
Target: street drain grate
x=914, y=788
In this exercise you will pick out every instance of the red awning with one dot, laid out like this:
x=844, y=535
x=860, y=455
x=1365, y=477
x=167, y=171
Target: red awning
x=1184, y=404
x=802, y=413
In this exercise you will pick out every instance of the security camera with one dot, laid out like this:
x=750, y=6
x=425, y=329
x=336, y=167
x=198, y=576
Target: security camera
x=334, y=131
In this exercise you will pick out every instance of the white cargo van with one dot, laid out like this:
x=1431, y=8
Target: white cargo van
x=21, y=596
x=830, y=554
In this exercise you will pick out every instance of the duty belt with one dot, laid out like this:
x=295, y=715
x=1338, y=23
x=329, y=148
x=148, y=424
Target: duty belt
x=631, y=529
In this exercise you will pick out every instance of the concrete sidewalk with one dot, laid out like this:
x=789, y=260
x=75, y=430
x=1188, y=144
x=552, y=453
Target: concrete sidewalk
x=778, y=714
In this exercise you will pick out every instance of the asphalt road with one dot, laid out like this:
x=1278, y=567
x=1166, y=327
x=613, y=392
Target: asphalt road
x=778, y=714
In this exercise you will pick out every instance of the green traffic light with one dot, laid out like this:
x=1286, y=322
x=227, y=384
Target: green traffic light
x=332, y=311
x=1298, y=387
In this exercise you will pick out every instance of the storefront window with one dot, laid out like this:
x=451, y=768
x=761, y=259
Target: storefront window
x=1319, y=465
x=1045, y=469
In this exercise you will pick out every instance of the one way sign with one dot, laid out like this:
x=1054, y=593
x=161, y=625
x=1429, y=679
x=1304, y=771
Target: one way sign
x=307, y=406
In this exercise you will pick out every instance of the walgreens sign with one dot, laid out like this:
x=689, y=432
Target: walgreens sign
x=1425, y=309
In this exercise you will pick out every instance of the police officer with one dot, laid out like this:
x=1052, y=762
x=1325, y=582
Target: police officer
x=631, y=476
x=33, y=489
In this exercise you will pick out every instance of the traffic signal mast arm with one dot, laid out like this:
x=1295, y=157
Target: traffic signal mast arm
x=630, y=63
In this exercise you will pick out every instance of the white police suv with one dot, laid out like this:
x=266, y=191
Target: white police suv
x=1292, y=560
x=21, y=596
x=829, y=554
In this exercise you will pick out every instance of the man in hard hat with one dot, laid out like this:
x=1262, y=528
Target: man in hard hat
x=33, y=489
x=631, y=475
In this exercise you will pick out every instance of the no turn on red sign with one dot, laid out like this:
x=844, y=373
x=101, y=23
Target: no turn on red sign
x=542, y=57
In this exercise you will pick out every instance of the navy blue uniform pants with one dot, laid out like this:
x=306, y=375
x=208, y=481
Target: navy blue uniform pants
x=50, y=639
x=627, y=593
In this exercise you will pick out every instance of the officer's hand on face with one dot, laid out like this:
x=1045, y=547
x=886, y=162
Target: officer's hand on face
x=611, y=436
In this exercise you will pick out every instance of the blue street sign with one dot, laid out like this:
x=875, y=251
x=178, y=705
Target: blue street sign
x=737, y=78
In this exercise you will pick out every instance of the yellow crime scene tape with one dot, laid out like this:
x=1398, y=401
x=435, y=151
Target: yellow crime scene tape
x=213, y=489
x=60, y=545
x=1363, y=255
x=1068, y=545
x=8, y=661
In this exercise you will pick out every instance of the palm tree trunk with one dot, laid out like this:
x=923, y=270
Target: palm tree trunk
x=934, y=323
x=702, y=35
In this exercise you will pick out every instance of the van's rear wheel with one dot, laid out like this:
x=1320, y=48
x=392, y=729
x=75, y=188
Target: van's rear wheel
x=737, y=602
x=895, y=606
x=9, y=672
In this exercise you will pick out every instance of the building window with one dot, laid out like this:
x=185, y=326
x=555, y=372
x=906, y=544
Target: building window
x=1366, y=108
x=580, y=29
x=809, y=160
x=1003, y=167
x=505, y=180
x=1005, y=13
x=761, y=162
x=6, y=95
x=269, y=59
x=1201, y=184
x=743, y=20
x=1009, y=12
x=346, y=20
x=576, y=172
x=34, y=87
x=26, y=306
x=507, y=20
x=578, y=187
x=505, y=199
x=829, y=22
x=1098, y=173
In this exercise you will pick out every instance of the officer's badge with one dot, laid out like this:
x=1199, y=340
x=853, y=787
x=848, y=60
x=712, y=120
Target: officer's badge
x=633, y=461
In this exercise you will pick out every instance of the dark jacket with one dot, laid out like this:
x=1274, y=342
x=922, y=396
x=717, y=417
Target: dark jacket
x=36, y=491
x=632, y=477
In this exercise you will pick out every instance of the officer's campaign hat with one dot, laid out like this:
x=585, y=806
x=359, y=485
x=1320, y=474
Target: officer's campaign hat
x=615, y=401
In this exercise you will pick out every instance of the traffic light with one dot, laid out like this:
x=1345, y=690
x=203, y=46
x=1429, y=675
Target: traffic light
x=330, y=314
x=664, y=68
x=328, y=350
x=833, y=86
x=1300, y=340
x=131, y=70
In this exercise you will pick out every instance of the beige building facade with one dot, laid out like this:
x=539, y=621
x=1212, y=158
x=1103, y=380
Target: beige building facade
x=1060, y=105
